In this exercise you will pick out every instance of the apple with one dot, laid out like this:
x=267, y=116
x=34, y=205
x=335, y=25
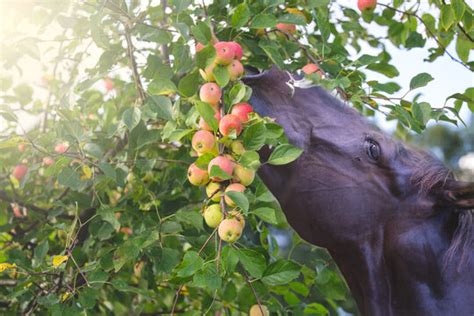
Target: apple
x=225, y=53
x=229, y=124
x=238, y=52
x=237, y=147
x=203, y=142
x=242, y=110
x=311, y=68
x=108, y=84
x=237, y=187
x=244, y=175
x=21, y=147
x=256, y=311
x=230, y=230
x=239, y=217
x=236, y=70
x=366, y=4
x=286, y=28
x=126, y=230
x=48, y=161
x=17, y=211
x=197, y=176
x=20, y=171
x=204, y=126
x=213, y=215
x=61, y=148
x=222, y=162
x=199, y=46
x=210, y=93
x=213, y=191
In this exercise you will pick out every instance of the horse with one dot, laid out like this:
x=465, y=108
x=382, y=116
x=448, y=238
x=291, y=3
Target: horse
x=397, y=223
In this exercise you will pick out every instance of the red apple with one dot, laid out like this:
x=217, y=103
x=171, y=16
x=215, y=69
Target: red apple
x=238, y=52
x=17, y=211
x=61, y=148
x=233, y=187
x=236, y=70
x=203, y=125
x=108, y=84
x=238, y=216
x=366, y=4
x=21, y=147
x=20, y=171
x=229, y=124
x=199, y=46
x=311, y=68
x=210, y=93
x=222, y=162
x=242, y=110
x=286, y=28
x=230, y=229
x=197, y=176
x=225, y=52
x=48, y=161
x=203, y=142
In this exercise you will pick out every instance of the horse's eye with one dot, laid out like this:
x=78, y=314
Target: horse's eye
x=373, y=150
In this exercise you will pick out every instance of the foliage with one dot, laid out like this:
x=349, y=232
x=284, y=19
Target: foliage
x=110, y=225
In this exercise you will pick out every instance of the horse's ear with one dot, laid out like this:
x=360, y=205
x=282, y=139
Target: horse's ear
x=459, y=194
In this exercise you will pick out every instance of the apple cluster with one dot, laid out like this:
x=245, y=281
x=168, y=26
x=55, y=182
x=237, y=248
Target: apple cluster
x=223, y=173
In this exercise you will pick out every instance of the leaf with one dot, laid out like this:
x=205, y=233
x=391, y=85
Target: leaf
x=252, y=261
x=7, y=266
x=421, y=112
x=263, y=20
x=161, y=106
x=40, y=252
x=191, y=263
x=202, y=32
x=126, y=252
x=463, y=47
x=69, y=178
x=250, y=159
x=205, y=56
x=237, y=93
x=458, y=7
x=207, y=113
x=240, y=16
x=420, y=80
x=316, y=309
x=162, y=86
x=389, y=87
x=284, y=154
x=230, y=258
x=208, y=277
x=267, y=214
x=239, y=199
x=273, y=53
x=280, y=272
x=58, y=260
x=446, y=16
x=189, y=84
x=131, y=117
x=216, y=171
x=385, y=69
x=221, y=73
x=254, y=136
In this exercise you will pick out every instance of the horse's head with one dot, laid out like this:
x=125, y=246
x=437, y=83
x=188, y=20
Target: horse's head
x=351, y=176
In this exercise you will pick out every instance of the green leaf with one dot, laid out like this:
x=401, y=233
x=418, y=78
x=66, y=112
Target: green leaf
x=385, y=69
x=160, y=105
x=205, y=56
x=263, y=20
x=204, y=160
x=216, y=171
x=389, y=87
x=267, y=214
x=191, y=263
x=237, y=93
x=252, y=261
x=69, y=178
x=208, y=277
x=316, y=309
x=189, y=84
x=207, y=113
x=126, y=252
x=420, y=80
x=273, y=53
x=280, y=272
x=254, y=136
x=230, y=258
x=463, y=47
x=40, y=253
x=323, y=23
x=446, y=16
x=221, y=73
x=131, y=117
x=202, y=32
x=162, y=86
x=240, y=15
x=421, y=112
x=239, y=199
x=284, y=154
x=250, y=159
x=273, y=131
x=108, y=170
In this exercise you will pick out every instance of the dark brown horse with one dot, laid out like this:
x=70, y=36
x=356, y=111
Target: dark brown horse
x=397, y=223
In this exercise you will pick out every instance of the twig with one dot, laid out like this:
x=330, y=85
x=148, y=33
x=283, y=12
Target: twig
x=164, y=47
x=133, y=65
x=253, y=291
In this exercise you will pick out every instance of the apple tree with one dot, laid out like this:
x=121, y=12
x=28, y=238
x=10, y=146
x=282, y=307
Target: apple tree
x=129, y=148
